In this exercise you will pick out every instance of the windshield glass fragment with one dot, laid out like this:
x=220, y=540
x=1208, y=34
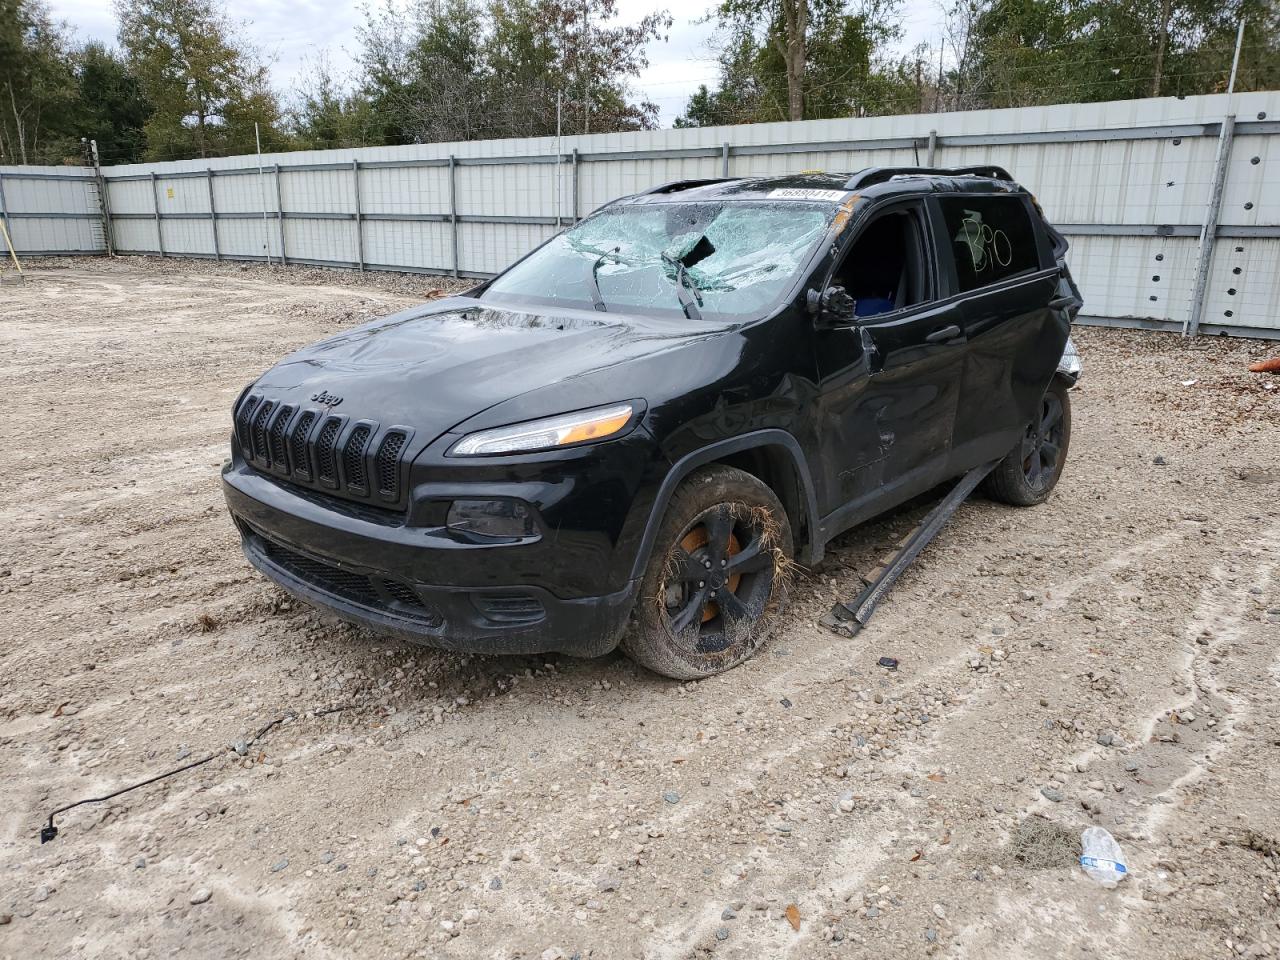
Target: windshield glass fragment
x=738, y=257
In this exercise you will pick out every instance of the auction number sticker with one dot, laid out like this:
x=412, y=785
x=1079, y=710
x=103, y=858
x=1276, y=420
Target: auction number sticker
x=801, y=193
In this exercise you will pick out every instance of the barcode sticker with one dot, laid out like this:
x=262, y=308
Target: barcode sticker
x=802, y=193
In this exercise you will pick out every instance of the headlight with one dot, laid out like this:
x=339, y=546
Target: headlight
x=561, y=431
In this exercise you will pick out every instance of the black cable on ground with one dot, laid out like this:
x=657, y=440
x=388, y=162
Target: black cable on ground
x=49, y=831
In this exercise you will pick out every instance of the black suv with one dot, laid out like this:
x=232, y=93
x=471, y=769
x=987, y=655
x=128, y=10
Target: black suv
x=634, y=432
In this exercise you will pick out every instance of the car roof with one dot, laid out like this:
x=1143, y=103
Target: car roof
x=821, y=186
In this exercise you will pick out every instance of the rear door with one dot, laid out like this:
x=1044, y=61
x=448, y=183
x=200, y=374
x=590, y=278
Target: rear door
x=890, y=379
x=1007, y=282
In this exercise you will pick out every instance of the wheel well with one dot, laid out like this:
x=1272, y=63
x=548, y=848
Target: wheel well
x=774, y=467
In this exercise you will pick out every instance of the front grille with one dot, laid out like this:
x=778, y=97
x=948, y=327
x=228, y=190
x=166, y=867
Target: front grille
x=323, y=450
x=379, y=593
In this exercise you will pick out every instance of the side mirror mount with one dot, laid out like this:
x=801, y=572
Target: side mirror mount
x=833, y=306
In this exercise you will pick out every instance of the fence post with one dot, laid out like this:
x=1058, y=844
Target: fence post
x=284, y=260
x=933, y=148
x=355, y=179
x=1204, y=259
x=453, y=209
x=104, y=207
x=155, y=206
x=724, y=160
x=213, y=214
x=4, y=210
x=574, y=173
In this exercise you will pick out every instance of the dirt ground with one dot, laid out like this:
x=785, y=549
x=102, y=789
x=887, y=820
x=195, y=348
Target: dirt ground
x=1112, y=658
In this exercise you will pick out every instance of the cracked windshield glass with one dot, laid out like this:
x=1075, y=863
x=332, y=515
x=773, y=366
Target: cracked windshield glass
x=723, y=260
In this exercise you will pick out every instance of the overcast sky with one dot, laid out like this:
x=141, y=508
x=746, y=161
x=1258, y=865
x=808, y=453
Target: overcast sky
x=288, y=31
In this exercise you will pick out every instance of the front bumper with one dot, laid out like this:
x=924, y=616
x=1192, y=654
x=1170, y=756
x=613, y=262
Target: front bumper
x=371, y=572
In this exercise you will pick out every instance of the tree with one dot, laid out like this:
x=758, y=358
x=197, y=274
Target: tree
x=465, y=69
x=37, y=85
x=112, y=109
x=770, y=69
x=324, y=115
x=208, y=87
x=1022, y=52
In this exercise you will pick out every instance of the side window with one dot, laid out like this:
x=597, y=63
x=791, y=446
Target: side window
x=884, y=268
x=991, y=238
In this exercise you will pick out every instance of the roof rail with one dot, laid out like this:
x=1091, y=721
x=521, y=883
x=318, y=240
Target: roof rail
x=872, y=175
x=673, y=186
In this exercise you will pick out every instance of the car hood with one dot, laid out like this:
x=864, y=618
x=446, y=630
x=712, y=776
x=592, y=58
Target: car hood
x=436, y=365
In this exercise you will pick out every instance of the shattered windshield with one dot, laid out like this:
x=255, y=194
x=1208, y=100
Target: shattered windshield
x=729, y=259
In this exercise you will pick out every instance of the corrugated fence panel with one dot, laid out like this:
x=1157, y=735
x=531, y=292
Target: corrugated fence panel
x=1135, y=277
x=488, y=247
x=134, y=236
x=1128, y=181
x=71, y=219
x=320, y=240
x=414, y=244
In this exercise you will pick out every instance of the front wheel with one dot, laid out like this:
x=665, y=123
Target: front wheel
x=1031, y=470
x=716, y=578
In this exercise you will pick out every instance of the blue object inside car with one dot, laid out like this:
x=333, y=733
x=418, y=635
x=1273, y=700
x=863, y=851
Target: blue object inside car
x=872, y=306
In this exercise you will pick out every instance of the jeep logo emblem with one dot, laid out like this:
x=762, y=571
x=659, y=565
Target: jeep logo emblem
x=328, y=399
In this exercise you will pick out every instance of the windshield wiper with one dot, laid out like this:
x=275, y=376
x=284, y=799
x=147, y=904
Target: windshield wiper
x=597, y=300
x=687, y=291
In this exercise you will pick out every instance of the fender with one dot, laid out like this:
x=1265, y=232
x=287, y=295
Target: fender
x=813, y=550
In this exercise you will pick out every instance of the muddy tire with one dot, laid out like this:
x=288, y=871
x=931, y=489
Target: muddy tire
x=716, y=579
x=1031, y=470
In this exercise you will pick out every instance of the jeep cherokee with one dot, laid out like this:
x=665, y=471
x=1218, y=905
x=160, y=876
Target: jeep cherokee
x=634, y=431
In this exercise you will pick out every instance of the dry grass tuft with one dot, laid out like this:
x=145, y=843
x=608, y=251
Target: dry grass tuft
x=1041, y=844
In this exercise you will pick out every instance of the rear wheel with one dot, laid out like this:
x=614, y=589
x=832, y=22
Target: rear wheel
x=1031, y=470
x=715, y=579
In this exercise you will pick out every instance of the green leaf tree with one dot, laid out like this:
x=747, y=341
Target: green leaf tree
x=112, y=108
x=38, y=95
x=207, y=85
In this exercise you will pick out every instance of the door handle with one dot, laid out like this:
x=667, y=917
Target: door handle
x=1061, y=303
x=944, y=335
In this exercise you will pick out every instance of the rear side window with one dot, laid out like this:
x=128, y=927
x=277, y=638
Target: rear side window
x=991, y=238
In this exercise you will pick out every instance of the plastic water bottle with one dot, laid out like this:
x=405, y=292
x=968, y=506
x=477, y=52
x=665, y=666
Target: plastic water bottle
x=1102, y=858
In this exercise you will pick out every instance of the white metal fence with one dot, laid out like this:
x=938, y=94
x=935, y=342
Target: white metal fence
x=1172, y=206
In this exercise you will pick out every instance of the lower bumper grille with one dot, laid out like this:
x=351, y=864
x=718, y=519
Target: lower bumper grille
x=379, y=593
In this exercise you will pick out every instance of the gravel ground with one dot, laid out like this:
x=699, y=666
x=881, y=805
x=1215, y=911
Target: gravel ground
x=1108, y=658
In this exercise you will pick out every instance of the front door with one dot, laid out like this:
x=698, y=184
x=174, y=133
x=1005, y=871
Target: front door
x=890, y=379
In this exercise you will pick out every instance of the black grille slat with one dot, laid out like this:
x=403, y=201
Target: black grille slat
x=244, y=421
x=298, y=452
x=327, y=453
x=353, y=459
x=277, y=437
x=259, y=431
x=388, y=463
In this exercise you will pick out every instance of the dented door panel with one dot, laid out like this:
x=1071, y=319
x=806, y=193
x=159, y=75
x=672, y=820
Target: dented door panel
x=1014, y=343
